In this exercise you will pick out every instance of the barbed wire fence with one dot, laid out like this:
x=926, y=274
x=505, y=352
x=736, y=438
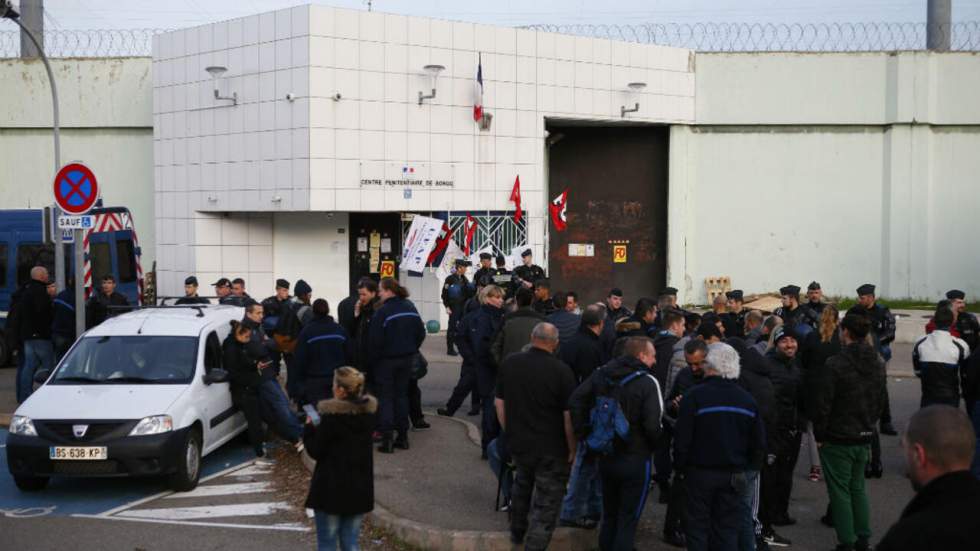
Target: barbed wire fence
x=702, y=37
x=781, y=37
x=86, y=43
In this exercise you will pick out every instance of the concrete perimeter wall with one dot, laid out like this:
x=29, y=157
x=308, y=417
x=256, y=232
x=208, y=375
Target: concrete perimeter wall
x=839, y=168
x=107, y=122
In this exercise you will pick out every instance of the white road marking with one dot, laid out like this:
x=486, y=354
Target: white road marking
x=282, y=526
x=224, y=490
x=253, y=470
x=155, y=497
x=208, y=511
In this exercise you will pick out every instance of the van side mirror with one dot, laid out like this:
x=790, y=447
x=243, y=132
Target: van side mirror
x=41, y=376
x=216, y=376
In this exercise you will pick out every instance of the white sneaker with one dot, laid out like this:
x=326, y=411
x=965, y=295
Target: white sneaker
x=299, y=446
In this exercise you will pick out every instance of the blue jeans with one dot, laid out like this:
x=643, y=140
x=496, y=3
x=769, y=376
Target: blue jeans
x=496, y=462
x=584, y=496
x=975, y=417
x=331, y=528
x=276, y=412
x=751, y=526
x=38, y=354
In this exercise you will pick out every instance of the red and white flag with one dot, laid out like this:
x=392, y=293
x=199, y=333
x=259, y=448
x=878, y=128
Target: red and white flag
x=470, y=227
x=557, y=209
x=445, y=235
x=478, y=91
x=515, y=197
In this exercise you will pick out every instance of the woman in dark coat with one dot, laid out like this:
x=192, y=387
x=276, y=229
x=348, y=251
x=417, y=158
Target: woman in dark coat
x=342, y=488
x=240, y=358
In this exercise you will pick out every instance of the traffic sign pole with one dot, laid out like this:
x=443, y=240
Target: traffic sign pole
x=75, y=191
x=79, y=282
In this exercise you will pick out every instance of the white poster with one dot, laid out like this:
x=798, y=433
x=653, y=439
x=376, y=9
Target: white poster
x=421, y=238
x=449, y=260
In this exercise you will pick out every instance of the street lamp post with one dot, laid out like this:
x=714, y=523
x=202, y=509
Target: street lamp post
x=8, y=12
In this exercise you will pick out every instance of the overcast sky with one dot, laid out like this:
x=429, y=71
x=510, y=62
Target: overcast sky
x=171, y=14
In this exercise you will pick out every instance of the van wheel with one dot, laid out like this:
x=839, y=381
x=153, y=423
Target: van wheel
x=31, y=483
x=188, y=464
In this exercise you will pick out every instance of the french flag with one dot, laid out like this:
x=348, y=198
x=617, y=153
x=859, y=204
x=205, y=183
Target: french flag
x=478, y=91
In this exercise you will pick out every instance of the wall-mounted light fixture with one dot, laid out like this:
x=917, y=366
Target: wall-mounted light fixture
x=635, y=87
x=216, y=71
x=433, y=71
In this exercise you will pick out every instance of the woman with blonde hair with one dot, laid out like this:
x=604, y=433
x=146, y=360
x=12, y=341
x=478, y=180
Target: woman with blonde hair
x=818, y=347
x=342, y=487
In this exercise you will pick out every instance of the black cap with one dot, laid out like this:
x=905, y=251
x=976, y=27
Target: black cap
x=955, y=294
x=866, y=289
x=223, y=282
x=616, y=292
x=191, y=280
x=668, y=291
x=813, y=286
x=462, y=262
x=486, y=256
x=527, y=252
x=782, y=332
x=501, y=260
x=282, y=283
x=303, y=288
x=791, y=290
x=735, y=294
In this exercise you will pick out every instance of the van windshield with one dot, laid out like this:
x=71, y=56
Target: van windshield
x=129, y=360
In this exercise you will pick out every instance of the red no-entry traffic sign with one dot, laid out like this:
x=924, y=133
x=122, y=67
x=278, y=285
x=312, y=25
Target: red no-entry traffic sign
x=75, y=189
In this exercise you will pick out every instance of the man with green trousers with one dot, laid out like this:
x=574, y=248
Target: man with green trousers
x=846, y=404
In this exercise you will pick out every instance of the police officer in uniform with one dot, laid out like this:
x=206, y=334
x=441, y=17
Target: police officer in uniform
x=734, y=318
x=456, y=290
x=503, y=278
x=529, y=273
x=814, y=305
x=667, y=300
x=484, y=275
x=966, y=323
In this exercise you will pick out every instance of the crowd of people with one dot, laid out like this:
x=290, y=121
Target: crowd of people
x=586, y=409
x=718, y=408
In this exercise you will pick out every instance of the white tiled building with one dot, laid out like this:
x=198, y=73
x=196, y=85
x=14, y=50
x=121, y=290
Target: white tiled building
x=328, y=104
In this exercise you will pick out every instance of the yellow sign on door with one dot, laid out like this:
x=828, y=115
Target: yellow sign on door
x=619, y=254
x=387, y=268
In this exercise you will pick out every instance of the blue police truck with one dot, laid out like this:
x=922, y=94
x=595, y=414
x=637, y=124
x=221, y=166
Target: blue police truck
x=111, y=247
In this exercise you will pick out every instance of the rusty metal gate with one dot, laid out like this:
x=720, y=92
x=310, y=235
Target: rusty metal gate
x=617, y=210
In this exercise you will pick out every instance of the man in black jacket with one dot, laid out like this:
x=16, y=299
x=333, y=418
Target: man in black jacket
x=615, y=311
x=35, y=315
x=718, y=436
x=63, y=321
x=474, y=338
x=190, y=293
x=966, y=323
x=456, y=290
x=532, y=406
x=939, y=445
x=584, y=353
x=785, y=437
x=625, y=472
x=845, y=402
x=104, y=304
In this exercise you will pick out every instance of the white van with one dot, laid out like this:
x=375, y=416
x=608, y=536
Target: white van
x=142, y=394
